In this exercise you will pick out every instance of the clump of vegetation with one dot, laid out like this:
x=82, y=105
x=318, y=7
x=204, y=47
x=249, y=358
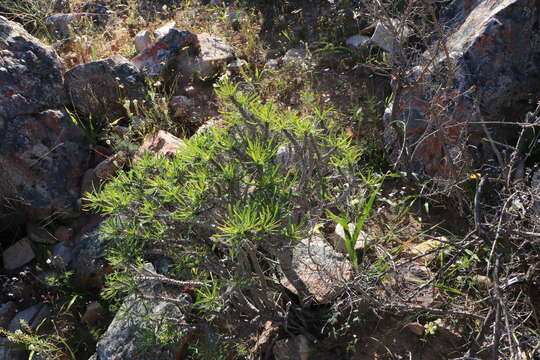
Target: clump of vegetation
x=31, y=13
x=49, y=346
x=227, y=206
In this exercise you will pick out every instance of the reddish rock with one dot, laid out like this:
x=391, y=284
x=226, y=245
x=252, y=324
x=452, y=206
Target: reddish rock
x=165, y=50
x=162, y=143
x=43, y=157
x=416, y=328
x=493, y=68
x=105, y=170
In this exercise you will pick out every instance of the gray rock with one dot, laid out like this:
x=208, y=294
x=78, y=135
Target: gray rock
x=210, y=124
x=165, y=29
x=272, y=64
x=236, y=18
x=27, y=67
x=535, y=185
x=18, y=254
x=62, y=255
x=98, y=13
x=236, y=65
x=316, y=268
x=179, y=107
x=357, y=41
x=288, y=156
x=213, y=58
x=88, y=257
x=105, y=170
x=10, y=353
x=98, y=89
x=137, y=317
x=61, y=5
x=339, y=236
x=387, y=39
x=143, y=40
x=31, y=316
x=180, y=55
x=59, y=24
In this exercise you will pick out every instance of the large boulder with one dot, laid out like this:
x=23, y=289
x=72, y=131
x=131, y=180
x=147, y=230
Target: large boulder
x=30, y=74
x=492, y=67
x=98, y=89
x=43, y=155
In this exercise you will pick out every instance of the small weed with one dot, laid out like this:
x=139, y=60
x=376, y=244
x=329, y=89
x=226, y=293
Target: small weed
x=352, y=238
x=48, y=346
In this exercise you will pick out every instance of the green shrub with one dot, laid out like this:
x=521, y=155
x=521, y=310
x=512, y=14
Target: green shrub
x=226, y=206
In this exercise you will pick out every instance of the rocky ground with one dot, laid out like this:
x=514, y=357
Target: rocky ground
x=437, y=100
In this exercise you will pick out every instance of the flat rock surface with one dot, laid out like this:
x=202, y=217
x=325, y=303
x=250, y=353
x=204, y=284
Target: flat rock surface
x=215, y=53
x=162, y=143
x=320, y=269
